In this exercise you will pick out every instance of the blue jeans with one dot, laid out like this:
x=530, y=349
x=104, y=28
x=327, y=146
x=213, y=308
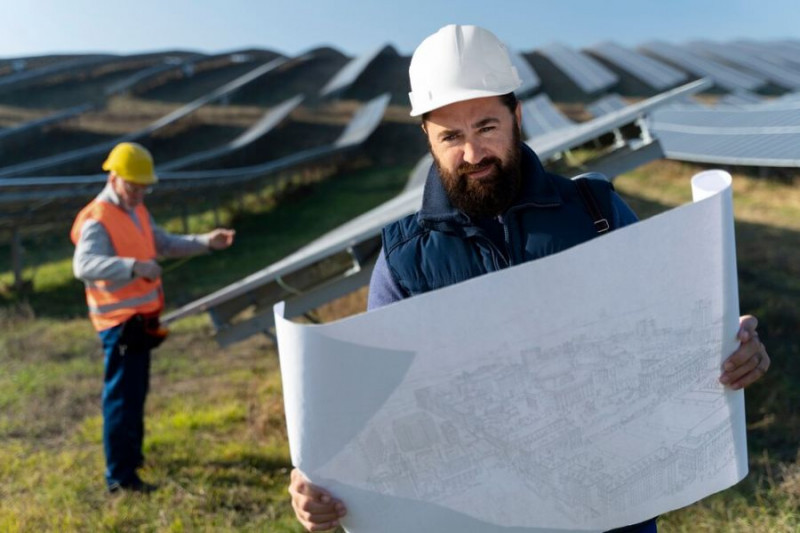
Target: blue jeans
x=126, y=379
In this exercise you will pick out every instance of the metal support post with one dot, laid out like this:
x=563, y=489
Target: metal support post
x=16, y=258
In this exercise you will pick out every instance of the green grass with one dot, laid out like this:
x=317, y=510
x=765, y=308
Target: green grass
x=216, y=441
x=216, y=438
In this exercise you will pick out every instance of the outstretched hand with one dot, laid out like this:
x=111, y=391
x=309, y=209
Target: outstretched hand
x=750, y=361
x=220, y=238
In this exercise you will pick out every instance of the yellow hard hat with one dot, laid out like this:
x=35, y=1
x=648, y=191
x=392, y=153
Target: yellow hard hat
x=131, y=162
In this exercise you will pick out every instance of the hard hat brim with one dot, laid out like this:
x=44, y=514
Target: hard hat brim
x=420, y=107
x=142, y=180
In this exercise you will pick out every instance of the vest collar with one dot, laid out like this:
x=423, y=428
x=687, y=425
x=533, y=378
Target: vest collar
x=538, y=190
x=110, y=196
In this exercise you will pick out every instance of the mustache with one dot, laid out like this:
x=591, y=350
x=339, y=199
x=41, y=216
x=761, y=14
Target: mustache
x=464, y=168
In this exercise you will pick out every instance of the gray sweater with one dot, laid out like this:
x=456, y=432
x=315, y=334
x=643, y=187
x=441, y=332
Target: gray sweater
x=95, y=258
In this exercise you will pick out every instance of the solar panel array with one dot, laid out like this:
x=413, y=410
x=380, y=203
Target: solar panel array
x=744, y=128
x=751, y=136
x=341, y=260
x=654, y=73
x=40, y=199
x=723, y=76
x=43, y=164
x=271, y=118
x=776, y=74
x=585, y=72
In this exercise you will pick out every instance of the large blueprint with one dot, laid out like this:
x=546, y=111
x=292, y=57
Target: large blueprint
x=577, y=392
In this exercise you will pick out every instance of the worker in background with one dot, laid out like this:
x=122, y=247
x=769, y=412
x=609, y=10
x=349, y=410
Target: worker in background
x=488, y=204
x=116, y=247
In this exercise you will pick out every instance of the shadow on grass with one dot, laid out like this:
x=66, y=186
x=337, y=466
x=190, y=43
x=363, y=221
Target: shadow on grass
x=248, y=469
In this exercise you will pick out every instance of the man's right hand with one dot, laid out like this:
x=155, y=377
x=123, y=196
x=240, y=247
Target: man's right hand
x=314, y=507
x=148, y=270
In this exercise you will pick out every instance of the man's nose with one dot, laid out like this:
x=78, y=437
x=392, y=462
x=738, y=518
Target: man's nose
x=473, y=152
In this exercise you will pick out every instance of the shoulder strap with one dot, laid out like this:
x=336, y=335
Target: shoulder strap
x=585, y=183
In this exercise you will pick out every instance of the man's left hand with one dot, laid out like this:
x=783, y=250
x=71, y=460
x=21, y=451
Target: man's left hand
x=220, y=238
x=750, y=361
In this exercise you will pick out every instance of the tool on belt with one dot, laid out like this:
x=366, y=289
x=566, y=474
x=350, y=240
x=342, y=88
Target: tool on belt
x=142, y=332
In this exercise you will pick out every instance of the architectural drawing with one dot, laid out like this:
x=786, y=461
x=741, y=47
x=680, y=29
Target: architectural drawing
x=597, y=410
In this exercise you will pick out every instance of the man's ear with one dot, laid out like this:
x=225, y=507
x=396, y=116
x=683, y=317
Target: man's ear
x=424, y=129
x=518, y=114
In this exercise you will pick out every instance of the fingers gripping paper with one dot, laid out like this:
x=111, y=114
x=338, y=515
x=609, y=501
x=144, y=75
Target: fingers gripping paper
x=578, y=392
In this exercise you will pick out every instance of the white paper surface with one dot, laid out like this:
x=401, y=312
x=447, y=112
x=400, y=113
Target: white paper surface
x=578, y=392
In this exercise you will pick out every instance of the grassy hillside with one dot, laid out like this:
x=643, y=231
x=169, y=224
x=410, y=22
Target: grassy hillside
x=216, y=440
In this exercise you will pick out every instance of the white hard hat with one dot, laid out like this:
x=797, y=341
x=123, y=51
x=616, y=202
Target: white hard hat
x=459, y=63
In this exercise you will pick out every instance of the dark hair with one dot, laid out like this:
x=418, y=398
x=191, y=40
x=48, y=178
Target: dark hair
x=509, y=100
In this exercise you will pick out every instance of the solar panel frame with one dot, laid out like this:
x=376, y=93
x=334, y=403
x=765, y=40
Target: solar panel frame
x=606, y=104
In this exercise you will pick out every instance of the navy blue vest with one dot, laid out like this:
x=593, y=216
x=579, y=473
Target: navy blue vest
x=439, y=245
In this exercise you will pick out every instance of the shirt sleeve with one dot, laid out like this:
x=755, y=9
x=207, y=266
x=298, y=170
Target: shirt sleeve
x=95, y=258
x=383, y=289
x=171, y=245
x=622, y=213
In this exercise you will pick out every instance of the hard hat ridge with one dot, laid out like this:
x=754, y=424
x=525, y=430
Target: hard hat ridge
x=459, y=63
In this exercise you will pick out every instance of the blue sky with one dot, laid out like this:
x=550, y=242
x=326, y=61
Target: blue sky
x=33, y=27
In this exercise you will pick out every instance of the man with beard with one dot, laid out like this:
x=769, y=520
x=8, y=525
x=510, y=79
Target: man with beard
x=488, y=204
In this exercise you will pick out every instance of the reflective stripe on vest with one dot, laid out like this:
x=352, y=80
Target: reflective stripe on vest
x=152, y=296
x=113, y=302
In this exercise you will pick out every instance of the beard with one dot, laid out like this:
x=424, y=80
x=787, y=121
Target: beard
x=489, y=196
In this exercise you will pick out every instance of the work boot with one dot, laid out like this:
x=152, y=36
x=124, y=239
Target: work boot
x=135, y=485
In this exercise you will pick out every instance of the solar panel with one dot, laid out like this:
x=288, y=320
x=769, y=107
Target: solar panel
x=774, y=52
x=587, y=73
x=654, y=73
x=605, y=105
x=10, y=81
x=420, y=172
x=552, y=143
x=49, y=120
x=756, y=135
x=40, y=165
x=364, y=121
x=271, y=118
x=777, y=75
x=740, y=98
x=767, y=149
x=540, y=116
x=723, y=76
x=351, y=71
x=530, y=80
x=37, y=198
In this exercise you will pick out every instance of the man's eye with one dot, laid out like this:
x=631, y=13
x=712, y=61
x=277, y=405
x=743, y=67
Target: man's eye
x=449, y=138
x=487, y=129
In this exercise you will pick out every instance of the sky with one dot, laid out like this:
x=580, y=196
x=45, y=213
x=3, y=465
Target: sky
x=355, y=27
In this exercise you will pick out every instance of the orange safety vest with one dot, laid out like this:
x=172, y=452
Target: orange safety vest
x=113, y=302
